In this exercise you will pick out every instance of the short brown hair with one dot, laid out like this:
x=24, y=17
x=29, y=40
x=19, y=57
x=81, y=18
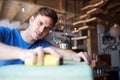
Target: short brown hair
x=48, y=12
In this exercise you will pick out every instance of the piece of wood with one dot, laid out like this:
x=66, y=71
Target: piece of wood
x=1, y=3
x=82, y=28
x=84, y=21
x=94, y=10
x=80, y=38
x=78, y=47
x=89, y=48
x=100, y=3
x=10, y=8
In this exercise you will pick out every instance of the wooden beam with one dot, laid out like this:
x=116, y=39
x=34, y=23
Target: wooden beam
x=84, y=21
x=80, y=38
x=61, y=4
x=1, y=3
x=82, y=28
x=89, y=48
x=30, y=13
x=29, y=9
x=78, y=47
x=94, y=10
x=10, y=8
x=100, y=3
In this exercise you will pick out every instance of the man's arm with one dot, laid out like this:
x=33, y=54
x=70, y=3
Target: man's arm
x=9, y=52
x=69, y=54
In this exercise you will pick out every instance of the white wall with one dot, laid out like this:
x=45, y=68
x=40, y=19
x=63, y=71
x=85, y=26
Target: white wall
x=13, y=24
x=115, y=54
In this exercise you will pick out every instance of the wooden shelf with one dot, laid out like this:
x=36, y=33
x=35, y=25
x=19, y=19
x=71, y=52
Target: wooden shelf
x=84, y=21
x=82, y=28
x=78, y=47
x=100, y=3
x=80, y=38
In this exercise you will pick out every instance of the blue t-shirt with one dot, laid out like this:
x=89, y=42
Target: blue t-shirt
x=12, y=37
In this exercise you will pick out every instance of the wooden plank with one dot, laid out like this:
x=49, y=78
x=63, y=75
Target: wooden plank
x=61, y=4
x=30, y=13
x=10, y=8
x=29, y=9
x=83, y=16
x=78, y=47
x=1, y=3
x=53, y=4
x=80, y=38
x=89, y=12
x=94, y=10
x=82, y=28
x=89, y=48
x=92, y=5
x=84, y=21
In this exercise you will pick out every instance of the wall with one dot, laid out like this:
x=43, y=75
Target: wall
x=13, y=24
x=111, y=47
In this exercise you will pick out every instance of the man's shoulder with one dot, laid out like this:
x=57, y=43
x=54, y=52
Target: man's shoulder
x=5, y=28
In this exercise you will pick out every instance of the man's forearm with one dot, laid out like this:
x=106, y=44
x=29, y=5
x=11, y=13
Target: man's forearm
x=9, y=52
x=67, y=54
x=71, y=55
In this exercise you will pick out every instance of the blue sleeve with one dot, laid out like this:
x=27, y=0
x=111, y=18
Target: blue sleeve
x=4, y=33
x=46, y=44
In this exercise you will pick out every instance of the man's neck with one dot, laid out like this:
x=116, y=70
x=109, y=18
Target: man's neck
x=26, y=37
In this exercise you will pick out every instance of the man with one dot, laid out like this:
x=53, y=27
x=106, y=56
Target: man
x=16, y=45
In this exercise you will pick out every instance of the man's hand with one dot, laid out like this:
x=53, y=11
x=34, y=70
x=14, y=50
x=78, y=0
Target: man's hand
x=68, y=54
x=52, y=51
x=82, y=55
x=32, y=56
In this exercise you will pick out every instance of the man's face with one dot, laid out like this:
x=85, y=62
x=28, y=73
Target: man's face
x=40, y=26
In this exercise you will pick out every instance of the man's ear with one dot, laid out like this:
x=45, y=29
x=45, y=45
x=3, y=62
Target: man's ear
x=31, y=19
